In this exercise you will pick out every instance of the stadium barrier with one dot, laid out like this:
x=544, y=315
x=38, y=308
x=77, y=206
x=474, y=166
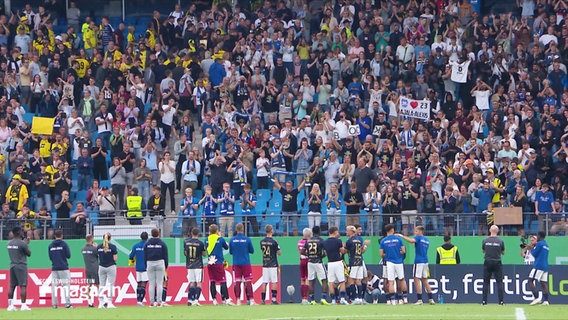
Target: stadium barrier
x=457, y=284
x=116, y=222
x=469, y=249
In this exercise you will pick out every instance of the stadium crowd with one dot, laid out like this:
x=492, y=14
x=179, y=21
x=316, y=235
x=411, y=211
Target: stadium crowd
x=213, y=103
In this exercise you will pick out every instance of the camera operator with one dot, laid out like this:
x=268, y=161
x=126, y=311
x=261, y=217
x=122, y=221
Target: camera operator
x=526, y=249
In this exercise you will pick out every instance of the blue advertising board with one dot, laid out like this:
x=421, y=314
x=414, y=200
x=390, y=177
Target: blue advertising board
x=459, y=283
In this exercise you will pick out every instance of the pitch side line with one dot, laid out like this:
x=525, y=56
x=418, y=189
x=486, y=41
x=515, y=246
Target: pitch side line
x=405, y=316
x=520, y=314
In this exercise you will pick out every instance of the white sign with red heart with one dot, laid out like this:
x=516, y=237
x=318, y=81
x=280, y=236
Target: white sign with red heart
x=414, y=108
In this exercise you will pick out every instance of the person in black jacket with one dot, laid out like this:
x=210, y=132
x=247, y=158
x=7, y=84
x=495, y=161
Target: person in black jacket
x=156, y=255
x=156, y=203
x=58, y=254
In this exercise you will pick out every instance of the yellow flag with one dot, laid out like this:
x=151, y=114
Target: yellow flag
x=41, y=125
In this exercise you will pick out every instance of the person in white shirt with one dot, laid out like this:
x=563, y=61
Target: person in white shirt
x=405, y=52
x=438, y=44
x=170, y=110
x=190, y=171
x=18, y=110
x=525, y=153
x=74, y=123
x=66, y=105
x=139, y=86
x=177, y=14
x=104, y=120
x=167, y=168
x=262, y=166
x=331, y=170
x=481, y=91
x=304, y=130
x=197, y=92
x=342, y=127
x=545, y=39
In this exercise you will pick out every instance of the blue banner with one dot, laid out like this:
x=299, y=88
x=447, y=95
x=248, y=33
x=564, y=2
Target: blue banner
x=459, y=283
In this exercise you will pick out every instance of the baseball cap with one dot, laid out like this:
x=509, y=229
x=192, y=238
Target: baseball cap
x=17, y=177
x=490, y=170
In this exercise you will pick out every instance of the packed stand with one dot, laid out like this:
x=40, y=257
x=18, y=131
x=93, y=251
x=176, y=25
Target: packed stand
x=289, y=109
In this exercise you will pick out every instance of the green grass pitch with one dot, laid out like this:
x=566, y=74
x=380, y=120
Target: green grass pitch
x=301, y=312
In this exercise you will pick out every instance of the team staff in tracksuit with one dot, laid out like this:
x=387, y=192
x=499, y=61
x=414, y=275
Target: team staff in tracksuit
x=136, y=257
x=156, y=256
x=58, y=254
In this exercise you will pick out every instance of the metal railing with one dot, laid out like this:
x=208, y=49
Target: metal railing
x=116, y=222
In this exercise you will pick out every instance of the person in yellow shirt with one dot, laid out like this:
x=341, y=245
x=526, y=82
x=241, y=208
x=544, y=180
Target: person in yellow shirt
x=51, y=170
x=44, y=147
x=86, y=25
x=113, y=53
x=81, y=66
x=131, y=37
x=90, y=38
x=60, y=145
x=150, y=35
x=142, y=54
x=125, y=65
x=303, y=50
x=495, y=184
x=27, y=220
x=17, y=194
x=2, y=163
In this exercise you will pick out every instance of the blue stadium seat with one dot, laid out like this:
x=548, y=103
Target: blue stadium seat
x=262, y=198
x=139, y=30
x=303, y=219
x=263, y=195
x=276, y=196
x=273, y=217
x=80, y=195
x=94, y=217
x=147, y=106
x=275, y=205
x=28, y=117
x=198, y=194
x=143, y=20
x=53, y=218
x=177, y=228
x=301, y=198
x=130, y=21
x=104, y=183
x=238, y=209
x=115, y=21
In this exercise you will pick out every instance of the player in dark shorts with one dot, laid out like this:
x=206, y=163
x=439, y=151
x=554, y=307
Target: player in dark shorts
x=18, y=251
x=91, y=259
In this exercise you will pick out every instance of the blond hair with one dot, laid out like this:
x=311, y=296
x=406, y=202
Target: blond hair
x=106, y=239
